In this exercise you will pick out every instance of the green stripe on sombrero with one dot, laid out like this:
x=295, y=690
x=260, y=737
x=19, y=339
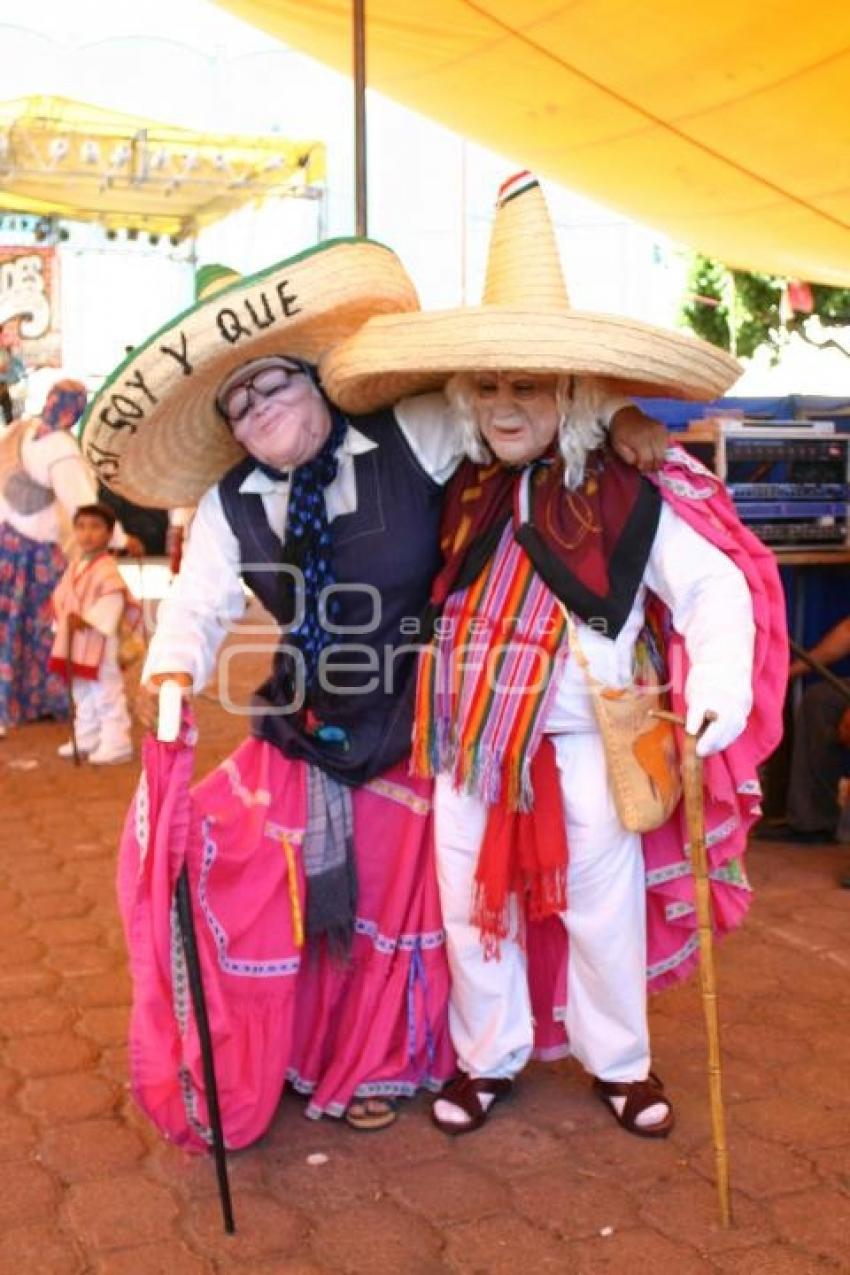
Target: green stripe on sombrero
x=515, y=194
x=207, y=275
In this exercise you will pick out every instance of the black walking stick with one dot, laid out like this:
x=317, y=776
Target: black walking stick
x=821, y=670
x=199, y=1004
x=167, y=731
x=72, y=708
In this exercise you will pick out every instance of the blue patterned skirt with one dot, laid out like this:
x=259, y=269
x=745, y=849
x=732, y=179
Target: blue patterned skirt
x=29, y=572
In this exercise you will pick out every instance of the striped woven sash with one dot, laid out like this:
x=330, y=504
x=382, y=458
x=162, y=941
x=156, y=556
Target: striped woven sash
x=486, y=681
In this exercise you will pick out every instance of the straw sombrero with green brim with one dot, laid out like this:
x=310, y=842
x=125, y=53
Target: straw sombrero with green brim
x=152, y=432
x=525, y=323
x=212, y=278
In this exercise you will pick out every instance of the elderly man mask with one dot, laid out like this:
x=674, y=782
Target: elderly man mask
x=560, y=565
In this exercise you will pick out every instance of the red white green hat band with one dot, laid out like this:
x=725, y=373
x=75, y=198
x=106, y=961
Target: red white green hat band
x=525, y=322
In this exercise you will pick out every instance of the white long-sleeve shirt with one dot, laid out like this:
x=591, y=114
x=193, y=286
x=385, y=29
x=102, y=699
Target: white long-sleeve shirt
x=711, y=608
x=207, y=596
x=55, y=462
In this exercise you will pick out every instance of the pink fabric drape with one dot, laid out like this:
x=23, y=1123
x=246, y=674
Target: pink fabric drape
x=732, y=790
x=277, y=1010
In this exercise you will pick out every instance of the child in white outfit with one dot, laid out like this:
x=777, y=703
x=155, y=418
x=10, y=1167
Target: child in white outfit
x=89, y=603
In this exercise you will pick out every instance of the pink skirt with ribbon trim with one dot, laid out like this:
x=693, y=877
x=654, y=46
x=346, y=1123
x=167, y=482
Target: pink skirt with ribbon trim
x=278, y=1009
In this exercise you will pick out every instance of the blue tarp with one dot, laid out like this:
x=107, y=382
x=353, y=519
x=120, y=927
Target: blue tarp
x=791, y=407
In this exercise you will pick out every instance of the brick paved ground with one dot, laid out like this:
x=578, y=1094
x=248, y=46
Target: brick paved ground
x=550, y=1185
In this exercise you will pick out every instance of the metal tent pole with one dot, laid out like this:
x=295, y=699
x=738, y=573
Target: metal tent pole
x=360, y=188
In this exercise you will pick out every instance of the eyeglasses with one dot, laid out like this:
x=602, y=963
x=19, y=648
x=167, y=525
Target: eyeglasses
x=270, y=380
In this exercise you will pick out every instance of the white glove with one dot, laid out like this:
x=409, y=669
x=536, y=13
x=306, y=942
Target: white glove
x=731, y=718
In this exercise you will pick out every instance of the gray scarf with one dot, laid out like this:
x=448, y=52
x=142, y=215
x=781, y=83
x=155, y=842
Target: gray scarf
x=328, y=854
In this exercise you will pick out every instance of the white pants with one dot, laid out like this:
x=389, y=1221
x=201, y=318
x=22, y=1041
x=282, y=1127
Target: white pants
x=100, y=711
x=490, y=1009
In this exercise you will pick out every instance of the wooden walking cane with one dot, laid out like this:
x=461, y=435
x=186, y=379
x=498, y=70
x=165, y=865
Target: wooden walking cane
x=692, y=790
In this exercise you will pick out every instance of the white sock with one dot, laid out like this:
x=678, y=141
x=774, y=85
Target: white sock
x=652, y=1115
x=450, y=1113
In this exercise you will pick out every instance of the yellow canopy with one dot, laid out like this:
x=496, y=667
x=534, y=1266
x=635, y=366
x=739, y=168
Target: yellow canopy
x=68, y=159
x=724, y=124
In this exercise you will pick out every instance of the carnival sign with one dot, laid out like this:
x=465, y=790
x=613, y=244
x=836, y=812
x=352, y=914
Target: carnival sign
x=29, y=302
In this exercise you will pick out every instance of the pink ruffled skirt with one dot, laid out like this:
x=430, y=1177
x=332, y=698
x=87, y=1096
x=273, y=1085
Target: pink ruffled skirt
x=279, y=1009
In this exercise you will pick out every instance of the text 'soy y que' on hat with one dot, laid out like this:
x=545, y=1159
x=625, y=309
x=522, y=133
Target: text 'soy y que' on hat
x=153, y=432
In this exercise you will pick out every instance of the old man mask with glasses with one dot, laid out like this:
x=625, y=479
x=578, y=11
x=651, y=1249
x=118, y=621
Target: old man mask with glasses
x=276, y=411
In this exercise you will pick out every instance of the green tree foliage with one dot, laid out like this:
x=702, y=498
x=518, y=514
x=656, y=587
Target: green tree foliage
x=720, y=300
x=706, y=309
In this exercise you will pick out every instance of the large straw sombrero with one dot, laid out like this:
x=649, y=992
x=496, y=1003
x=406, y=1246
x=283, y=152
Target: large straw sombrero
x=152, y=432
x=525, y=323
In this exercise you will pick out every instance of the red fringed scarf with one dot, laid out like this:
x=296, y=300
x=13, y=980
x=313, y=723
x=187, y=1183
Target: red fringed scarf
x=590, y=545
x=523, y=853
x=586, y=549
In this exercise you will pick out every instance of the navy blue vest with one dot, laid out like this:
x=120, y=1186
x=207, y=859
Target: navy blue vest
x=357, y=720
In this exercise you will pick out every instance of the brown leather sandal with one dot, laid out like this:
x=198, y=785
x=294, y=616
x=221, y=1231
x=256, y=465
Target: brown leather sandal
x=368, y=1115
x=463, y=1092
x=640, y=1095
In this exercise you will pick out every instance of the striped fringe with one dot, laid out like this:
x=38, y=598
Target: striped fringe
x=465, y=726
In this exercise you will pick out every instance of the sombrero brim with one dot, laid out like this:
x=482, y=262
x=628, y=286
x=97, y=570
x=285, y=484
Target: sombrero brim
x=394, y=356
x=152, y=432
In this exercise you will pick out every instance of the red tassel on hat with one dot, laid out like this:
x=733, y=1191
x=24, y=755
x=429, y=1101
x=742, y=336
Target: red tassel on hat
x=801, y=297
